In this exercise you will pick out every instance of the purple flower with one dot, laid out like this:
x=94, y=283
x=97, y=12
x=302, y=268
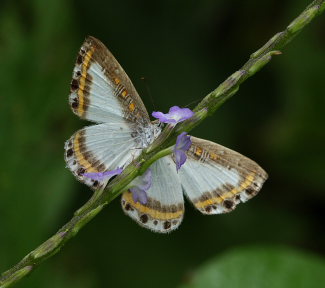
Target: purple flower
x=139, y=187
x=183, y=143
x=174, y=116
x=139, y=195
x=103, y=175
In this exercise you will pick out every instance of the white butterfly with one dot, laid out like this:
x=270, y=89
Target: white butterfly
x=214, y=178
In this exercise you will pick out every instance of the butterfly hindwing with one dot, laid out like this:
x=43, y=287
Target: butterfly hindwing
x=165, y=207
x=101, y=90
x=99, y=148
x=216, y=179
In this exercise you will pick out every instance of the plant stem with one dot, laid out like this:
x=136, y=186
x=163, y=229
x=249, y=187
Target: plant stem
x=160, y=147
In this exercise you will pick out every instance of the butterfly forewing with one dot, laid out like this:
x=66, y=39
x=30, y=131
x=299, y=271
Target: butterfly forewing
x=101, y=90
x=165, y=207
x=216, y=179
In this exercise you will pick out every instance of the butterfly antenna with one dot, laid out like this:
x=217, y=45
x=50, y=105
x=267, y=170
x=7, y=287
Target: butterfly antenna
x=148, y=92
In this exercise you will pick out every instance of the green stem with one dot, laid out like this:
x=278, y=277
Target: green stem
x=154, y=158
x=161, y=147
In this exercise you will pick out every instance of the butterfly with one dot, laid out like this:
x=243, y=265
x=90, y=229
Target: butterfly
x=214, y=178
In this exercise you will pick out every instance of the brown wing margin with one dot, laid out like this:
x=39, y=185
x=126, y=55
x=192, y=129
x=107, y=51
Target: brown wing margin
x=227, y=191
x=94, y=50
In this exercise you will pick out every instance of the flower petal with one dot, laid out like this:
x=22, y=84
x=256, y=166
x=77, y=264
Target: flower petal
x=182, y=113
x=103, y=175
x=174, y=116
x=139, y=195
x=139, y=187
x=143, y=182
x=164, y=118
x=183, y=143
x=180, y=158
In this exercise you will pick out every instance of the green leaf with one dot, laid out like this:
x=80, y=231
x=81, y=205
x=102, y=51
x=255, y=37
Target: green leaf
x=260, y=267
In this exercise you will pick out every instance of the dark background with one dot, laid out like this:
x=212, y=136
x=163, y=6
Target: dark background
x=184, y=49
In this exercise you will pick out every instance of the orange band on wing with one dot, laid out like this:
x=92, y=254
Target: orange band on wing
x=82, y=83
x=151, y=212
x=216, y=200
x=80, y=157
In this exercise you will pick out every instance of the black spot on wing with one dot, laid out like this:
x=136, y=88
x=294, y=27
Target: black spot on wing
x=74, y=85
x=81, y=171
x=79, y=59
x=167, y=225
x=228, y=204
x=69, y=152
x=144, y=218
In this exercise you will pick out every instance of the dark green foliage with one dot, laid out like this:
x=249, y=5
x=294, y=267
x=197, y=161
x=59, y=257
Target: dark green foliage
x=260, y=267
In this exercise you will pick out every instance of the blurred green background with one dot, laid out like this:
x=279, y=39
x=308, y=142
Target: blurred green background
x=184, y=49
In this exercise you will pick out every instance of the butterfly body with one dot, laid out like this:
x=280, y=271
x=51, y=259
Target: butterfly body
x=214, y=178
